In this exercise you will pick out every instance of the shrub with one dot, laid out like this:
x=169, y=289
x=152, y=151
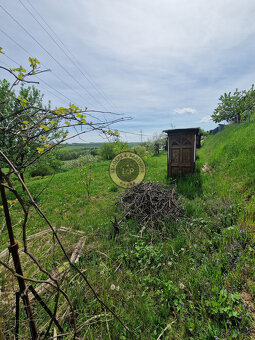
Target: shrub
x=45, y=166
x=108, y=151
x=140, y=150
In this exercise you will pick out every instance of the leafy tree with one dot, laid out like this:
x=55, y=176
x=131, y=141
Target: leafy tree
x=158, y=142
x=234, y=107
x=249, y=103
x=27, y=129
x=229, y=108
x=9, y=120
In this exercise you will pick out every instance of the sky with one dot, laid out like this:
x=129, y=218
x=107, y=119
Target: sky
x=165, y=63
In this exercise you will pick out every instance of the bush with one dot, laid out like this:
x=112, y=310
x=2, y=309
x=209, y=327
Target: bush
x=94, y=152
x=67, y=155
x=45, y=166
x=140, y=150
x=108, y=151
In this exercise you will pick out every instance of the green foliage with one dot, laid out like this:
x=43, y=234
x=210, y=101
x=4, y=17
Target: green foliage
x=235, y=107
x=140, y=150
x=108, y=151
x=146, y=145
x=29, y=130
x=143, y=256
x=14, y=141
x=229, y=108
x=67, y=155
x=225, y=306
x=45, y=166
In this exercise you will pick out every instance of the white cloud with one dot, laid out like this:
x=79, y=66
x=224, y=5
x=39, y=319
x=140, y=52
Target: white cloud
x=185, y=110
x=150, y=58
x=206, y=119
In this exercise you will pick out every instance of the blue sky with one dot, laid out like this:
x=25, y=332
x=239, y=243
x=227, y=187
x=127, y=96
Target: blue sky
x=164, y=62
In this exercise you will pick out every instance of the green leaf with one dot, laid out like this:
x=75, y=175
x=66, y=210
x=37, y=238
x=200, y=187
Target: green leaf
x=74, y=108
x=33, y=62
x=1, y=50
x=61, y=110
x=22, y=99
x=14, y=69
x=18, y=69
x=46, y=128
x=40, y=150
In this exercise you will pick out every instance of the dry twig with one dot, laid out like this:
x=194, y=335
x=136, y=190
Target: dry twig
x=150, y=203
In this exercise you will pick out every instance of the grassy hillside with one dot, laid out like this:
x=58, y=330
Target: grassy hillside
x=231, y=158
x=189, y=279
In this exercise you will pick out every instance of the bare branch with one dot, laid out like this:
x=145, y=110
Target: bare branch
x=40, y=212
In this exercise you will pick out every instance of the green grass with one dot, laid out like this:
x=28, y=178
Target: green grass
x=190, y=274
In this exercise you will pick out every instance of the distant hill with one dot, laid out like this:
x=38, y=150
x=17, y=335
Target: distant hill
x=79, y=146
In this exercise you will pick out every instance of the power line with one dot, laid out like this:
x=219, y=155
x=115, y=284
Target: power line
x=88, y=112
x=2, y=62
x=76, y=63
x=126, y=132
x=70, y=101
x=56, y=44
x=134, y=133
x=28, y=53
x=51, y=56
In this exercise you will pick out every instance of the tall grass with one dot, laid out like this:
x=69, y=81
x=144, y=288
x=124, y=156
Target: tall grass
x=185, y=280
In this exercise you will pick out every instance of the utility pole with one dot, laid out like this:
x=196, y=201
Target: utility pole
x=141, y=131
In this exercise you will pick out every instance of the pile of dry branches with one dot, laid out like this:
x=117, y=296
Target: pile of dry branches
x=151, y=203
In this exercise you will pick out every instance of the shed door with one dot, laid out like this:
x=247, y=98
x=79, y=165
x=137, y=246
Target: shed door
x=181, y=154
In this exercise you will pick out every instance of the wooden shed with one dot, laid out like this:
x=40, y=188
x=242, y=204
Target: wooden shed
x=181, y=150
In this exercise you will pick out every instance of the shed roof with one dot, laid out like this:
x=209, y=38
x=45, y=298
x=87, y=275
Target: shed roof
x=194, y=131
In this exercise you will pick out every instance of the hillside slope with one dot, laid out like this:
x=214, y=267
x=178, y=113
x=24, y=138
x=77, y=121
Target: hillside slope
x=227, y=165
x=192, y=278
